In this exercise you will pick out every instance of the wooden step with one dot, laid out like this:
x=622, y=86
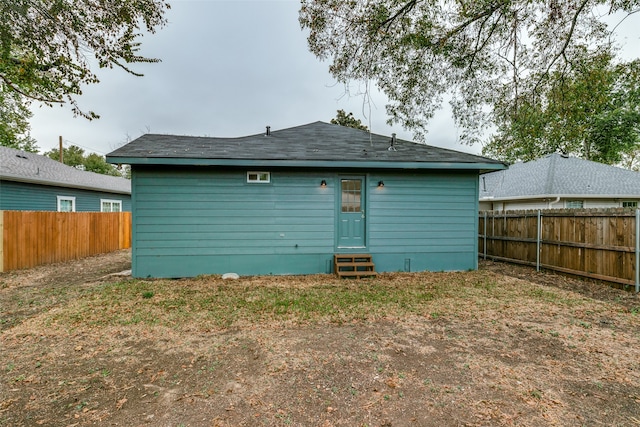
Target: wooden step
x=351, y=257
x=356, y=264
x=353, y=265
x=357, y=274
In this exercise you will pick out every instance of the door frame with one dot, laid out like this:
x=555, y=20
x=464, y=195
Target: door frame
x=364, y=200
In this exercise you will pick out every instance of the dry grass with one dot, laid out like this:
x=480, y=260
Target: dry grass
x=214, y=304
x=468, y=348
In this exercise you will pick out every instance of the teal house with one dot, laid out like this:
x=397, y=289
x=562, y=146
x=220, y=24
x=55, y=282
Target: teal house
x=286, y=201
x=31, y=182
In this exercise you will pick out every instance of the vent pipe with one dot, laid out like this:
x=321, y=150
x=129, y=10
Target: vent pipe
x=268, y=131
x=392, y=146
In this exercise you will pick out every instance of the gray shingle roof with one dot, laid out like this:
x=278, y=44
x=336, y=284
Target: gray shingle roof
x=556, y=175
x=317, y=142
x=17, y=165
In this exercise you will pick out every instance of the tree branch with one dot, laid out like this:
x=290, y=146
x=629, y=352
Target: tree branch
x=39, y=67
x=486, y=13
x=127, y=69
x=479, y=47
x=515, y=66
x=613, y=30
x=562, y=51
x=403, y=11
x=17, y=89
x=40, y=9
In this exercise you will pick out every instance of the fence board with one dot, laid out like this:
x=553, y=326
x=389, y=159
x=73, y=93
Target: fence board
x=34, y=238
x=594, y=243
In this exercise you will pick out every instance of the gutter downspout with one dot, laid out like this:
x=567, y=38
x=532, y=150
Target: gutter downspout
x=554, y=202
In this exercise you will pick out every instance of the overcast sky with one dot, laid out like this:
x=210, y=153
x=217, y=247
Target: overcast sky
x=229, y=68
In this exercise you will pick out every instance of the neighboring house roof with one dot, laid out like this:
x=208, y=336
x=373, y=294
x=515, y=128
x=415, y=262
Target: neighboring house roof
x=555, y=176
x=316, y=144
x=18, y=165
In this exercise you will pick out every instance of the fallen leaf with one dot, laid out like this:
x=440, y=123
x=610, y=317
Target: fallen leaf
x=120, y=403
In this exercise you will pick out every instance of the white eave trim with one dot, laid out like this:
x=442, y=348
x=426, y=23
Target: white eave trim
x=50, y=183
x=562, y=196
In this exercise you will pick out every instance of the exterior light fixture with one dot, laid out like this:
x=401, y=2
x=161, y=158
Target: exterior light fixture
x=323, y=183
x=380, y=184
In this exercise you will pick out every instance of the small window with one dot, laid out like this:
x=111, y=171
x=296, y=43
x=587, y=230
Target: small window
x=66, y=204
x=259, y=177
x=107, y=205
x=574, y=204
x=629, y=204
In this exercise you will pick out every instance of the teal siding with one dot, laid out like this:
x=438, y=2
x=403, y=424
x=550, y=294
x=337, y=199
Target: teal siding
x=423, y=221
x=195, y=221
x=203, y=220
x=21, y=196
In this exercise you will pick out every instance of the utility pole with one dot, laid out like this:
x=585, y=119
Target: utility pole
x=60, y=141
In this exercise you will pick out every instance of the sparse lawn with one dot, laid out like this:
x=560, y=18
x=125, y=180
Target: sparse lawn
x=429, y=349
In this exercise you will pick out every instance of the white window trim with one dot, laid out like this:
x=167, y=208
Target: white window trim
x=113, y=202
x=569, y=201
x=67, y=198
x=258, y=180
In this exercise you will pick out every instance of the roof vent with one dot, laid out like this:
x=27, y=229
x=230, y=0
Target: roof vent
x=392, y=144
x=268, y=131
x=20, y=156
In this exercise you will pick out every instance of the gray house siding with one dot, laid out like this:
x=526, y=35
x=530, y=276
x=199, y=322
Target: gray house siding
x=191, y=221
x=22, y=196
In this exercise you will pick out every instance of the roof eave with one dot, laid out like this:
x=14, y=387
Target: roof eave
x=51, y=183
x=543, y=197
x=367, y=164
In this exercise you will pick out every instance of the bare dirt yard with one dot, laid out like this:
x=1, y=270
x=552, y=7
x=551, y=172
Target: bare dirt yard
x=502, y=346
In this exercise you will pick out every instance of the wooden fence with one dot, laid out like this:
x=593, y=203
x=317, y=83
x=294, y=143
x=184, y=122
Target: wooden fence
x=600, y=244
x=35, y=238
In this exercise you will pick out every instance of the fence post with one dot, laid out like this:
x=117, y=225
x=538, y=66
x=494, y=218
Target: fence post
x=538, y=237
x=485, y=235
x=637, y=250
x=1, y=241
